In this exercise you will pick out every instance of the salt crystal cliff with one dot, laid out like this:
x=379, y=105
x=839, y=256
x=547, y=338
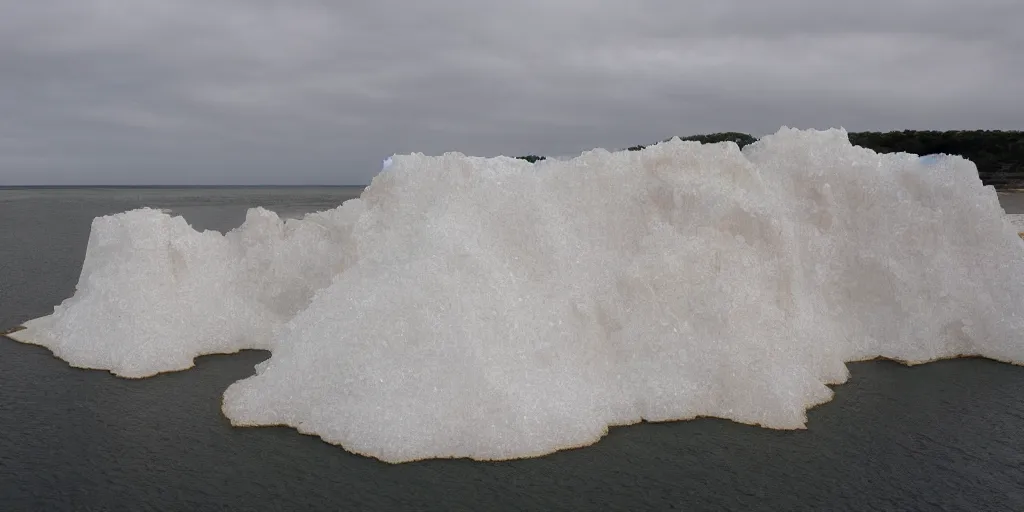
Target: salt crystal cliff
x=492, y=308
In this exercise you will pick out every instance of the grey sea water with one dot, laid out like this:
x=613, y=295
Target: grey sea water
x=941, y=436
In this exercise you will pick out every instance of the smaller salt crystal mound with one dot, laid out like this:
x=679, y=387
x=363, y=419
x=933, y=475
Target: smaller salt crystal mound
x=495, y=309
x=154, y=293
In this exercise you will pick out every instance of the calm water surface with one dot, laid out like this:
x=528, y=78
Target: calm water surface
x=942, y=436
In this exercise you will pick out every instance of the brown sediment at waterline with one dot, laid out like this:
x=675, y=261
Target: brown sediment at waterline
x=598, y=437
x=591, y=440
x=7, y=333
x=12, y=334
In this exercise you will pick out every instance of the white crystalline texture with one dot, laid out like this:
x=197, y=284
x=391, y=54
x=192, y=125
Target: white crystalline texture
x=1017, y=221
x=493, y=308
x=154, y=293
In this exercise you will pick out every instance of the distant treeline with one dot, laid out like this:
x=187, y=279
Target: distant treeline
x=999, y=155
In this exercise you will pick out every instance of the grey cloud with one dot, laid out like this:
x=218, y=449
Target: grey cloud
x=264, y=91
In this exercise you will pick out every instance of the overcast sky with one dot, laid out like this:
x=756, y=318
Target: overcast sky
x=319, y=92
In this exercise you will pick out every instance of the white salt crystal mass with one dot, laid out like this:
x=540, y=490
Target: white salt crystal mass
x=154, y=293
x=494, y=309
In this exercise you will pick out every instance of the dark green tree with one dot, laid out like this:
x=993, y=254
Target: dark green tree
x=999, y=155
x=532, y=158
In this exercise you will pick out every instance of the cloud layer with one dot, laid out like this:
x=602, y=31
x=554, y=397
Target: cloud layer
x=318, y=92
